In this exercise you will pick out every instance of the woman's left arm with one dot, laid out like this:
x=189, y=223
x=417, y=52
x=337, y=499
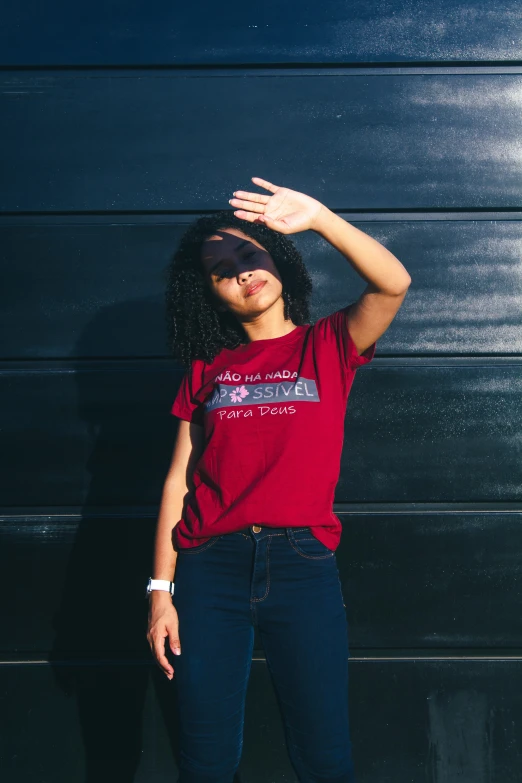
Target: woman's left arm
x=388, y=281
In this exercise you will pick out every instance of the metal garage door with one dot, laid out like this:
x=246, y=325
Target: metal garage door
x=121, y=123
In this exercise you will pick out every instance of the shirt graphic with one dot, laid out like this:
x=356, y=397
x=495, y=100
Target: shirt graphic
x=300, y=390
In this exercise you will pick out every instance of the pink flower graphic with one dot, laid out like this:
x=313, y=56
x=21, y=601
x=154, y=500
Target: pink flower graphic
x=237, y=394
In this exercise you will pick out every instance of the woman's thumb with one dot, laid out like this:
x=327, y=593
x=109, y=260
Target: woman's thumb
x=174, y=642
x=275, y=225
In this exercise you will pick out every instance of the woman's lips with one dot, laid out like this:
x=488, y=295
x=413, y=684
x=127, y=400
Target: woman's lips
x=255, y=288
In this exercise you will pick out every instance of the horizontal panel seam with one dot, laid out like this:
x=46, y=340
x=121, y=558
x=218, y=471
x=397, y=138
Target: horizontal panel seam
x=267, y=70
x=259, y=659
x=75, y=518
x=119, y=364
x=392, y=214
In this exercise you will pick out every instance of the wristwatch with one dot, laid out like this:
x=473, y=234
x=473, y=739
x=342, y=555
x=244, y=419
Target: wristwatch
x=160, y=584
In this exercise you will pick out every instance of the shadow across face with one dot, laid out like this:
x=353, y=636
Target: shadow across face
x=232, y=263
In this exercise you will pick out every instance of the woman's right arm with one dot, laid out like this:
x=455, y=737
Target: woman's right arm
x=163, y=618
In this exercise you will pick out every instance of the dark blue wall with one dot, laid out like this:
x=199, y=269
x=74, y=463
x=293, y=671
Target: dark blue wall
x=122, y=122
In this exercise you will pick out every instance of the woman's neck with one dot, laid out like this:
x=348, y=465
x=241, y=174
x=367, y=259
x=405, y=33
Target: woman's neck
x=269, y=324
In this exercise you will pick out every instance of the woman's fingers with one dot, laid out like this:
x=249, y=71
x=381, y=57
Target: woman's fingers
x=250, y=216
x=257, y=197
x=252, y=202
x=252, y=206
x=158, y=650
x=174, y=642
x=236, y=202
x=156, y=635
x=265, y=184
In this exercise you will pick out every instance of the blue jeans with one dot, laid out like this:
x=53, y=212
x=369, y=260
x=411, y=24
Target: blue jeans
x=287, y=582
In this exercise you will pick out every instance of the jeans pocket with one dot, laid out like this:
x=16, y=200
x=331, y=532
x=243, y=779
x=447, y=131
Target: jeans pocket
x=195, y=550
x=307, y=545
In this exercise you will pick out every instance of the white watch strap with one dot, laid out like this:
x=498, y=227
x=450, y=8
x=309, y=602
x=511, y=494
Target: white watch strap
x=160, y=584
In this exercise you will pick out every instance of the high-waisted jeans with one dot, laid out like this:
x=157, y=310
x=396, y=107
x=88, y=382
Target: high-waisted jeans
x=287, y=583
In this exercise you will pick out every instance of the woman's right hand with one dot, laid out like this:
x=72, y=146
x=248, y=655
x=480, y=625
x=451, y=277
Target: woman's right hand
x=163, y=622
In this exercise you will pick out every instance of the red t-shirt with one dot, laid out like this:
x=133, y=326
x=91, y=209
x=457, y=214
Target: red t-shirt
x=273, y=412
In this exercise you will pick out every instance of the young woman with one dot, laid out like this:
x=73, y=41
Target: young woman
x=246, y=522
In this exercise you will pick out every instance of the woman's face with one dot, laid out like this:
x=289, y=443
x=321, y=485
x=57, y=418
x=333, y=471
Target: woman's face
x=240, y=273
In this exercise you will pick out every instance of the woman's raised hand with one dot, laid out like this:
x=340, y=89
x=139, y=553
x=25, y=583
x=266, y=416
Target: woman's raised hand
x=286, y=211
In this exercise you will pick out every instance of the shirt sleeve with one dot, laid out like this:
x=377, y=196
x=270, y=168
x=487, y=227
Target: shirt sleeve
x=185, y=406
x=333, y=328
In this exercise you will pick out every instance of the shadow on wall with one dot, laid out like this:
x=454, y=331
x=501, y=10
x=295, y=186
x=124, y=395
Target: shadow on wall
x=100, y=653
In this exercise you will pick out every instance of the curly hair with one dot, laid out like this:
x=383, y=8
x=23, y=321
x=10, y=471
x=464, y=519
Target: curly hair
x=195, y=328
